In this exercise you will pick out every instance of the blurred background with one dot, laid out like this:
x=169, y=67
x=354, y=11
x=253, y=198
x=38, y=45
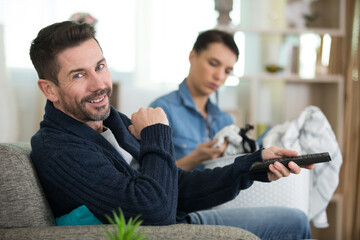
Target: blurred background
x=282, y=68
x=146, y=44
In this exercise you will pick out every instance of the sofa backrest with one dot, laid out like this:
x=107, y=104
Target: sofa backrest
x=22, y=200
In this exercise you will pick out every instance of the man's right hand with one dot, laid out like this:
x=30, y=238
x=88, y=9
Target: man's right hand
x=146, y=117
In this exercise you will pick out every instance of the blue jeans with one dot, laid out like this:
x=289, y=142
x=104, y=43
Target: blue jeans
x=265, y=222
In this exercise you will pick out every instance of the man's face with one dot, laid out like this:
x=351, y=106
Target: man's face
x=85, y=83
x=210, y=68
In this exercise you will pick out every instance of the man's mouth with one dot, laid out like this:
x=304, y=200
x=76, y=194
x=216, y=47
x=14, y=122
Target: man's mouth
x=97, y=97
x=97, y=100
x=213, y=86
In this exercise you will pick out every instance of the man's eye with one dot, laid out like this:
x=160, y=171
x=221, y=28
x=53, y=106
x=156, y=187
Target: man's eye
x=214, y=64
x=101, y=66
x=78, y=75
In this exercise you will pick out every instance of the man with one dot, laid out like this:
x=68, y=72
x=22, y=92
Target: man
x=88, y=154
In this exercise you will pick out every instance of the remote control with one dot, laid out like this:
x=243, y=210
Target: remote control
x=300, y=160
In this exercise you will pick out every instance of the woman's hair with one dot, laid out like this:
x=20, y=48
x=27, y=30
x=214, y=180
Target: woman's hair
x=215, y=36
x=54, y=39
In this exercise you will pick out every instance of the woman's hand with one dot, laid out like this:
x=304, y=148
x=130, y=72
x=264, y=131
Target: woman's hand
x=204, y=151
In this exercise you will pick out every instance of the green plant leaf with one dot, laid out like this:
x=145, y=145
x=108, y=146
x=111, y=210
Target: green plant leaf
x=123, y=230
x=121, y=223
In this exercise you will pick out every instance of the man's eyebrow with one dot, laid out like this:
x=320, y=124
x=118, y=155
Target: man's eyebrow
x=218, y=61
x=214, y=59
x=102, y=60
x=82, y=69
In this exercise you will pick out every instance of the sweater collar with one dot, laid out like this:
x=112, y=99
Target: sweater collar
x=64, y=121
x=57, y=119
x=118, y=123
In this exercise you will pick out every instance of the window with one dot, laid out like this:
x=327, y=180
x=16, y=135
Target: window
x=166, y=32
x=149, y=38
x=22, y=19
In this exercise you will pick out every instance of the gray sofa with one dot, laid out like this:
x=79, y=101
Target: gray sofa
x=25, y=214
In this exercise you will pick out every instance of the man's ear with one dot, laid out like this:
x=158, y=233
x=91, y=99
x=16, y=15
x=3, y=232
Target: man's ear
x=49, y=89
x=191, y=55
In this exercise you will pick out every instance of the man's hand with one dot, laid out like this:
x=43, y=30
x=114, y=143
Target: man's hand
x=146, y=117
x=277, y=170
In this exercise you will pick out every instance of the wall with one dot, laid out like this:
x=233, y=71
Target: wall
x=8, y=107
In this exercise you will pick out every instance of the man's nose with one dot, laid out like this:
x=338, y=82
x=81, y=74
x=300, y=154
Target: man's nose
x=96, y=82
x=220, y=74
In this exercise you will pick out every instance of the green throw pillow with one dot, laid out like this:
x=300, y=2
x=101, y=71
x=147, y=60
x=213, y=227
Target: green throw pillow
x=78, y=216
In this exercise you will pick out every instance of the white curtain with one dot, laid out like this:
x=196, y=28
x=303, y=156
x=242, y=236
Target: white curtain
x=8, y=107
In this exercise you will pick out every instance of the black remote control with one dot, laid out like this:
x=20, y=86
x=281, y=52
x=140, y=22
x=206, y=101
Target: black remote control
x=300, y=160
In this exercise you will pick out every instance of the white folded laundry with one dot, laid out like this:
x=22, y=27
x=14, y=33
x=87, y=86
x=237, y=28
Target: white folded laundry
x=312, y=133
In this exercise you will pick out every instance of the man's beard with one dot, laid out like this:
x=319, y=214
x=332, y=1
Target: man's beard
x=79, y=111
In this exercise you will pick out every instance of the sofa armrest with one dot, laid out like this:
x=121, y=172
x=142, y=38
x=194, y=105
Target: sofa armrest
x=177, y=231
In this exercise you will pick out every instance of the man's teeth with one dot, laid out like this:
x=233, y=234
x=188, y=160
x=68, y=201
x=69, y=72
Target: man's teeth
x=97, y=100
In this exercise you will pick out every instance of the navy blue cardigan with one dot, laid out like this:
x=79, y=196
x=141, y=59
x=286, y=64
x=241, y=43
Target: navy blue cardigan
x=77, y=166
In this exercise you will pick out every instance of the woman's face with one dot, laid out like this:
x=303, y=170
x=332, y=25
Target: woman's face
x=209, y=69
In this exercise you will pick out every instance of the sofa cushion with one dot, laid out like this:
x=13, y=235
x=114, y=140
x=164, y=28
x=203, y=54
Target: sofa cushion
x=96, y=232
x=22, y=201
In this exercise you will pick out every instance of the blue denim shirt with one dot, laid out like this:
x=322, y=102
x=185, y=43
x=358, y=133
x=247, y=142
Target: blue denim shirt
x=189, y=127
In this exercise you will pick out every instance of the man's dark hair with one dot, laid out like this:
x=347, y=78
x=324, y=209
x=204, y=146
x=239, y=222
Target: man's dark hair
x=54, y=39
x=215, y=36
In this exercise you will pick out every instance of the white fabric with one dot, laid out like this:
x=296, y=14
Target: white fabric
x=235, y=145
x=109, y=136
x=231, y=133
x=312, y=133
x=309, y=191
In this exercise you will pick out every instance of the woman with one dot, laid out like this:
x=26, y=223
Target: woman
x=191, y=114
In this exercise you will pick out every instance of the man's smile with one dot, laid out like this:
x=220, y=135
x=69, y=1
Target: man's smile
x=97, y=100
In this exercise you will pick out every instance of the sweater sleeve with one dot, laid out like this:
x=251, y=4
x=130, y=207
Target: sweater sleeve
x=200, y=190
x=75, y=173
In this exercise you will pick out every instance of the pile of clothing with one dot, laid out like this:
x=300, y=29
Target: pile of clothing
x=309, y=133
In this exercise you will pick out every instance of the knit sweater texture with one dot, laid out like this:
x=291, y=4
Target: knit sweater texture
x=77, y=166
